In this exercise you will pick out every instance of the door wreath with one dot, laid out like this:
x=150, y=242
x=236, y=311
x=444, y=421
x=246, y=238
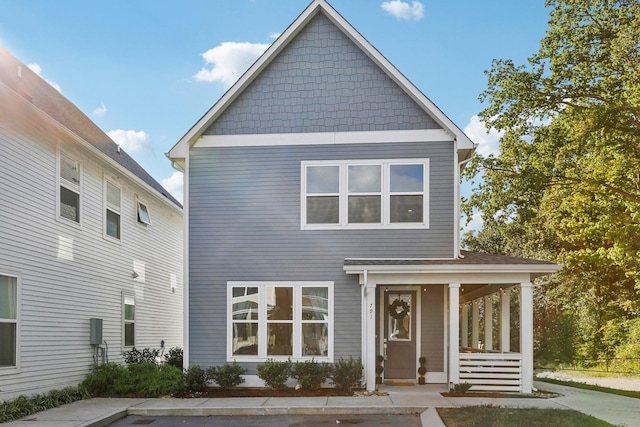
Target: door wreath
x=399, y=309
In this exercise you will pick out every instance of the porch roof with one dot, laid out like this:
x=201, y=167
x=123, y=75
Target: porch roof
x=468, y=262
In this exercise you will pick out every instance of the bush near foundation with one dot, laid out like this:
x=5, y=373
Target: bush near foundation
x=227, y=375
x=346, y=374
x=275, y=373
x=310, y=374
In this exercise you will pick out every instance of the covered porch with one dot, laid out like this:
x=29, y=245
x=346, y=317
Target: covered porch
x=486, y=342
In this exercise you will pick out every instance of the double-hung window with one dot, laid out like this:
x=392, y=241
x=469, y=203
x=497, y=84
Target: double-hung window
x=69, y=189
x=113, y=196
x=8, y=321
x=280, y=320
x=129, y=320
x=365, y=194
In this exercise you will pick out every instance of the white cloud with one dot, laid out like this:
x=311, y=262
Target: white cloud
x=488, y=142
x=229, y=60
x=38, y=70
x=475, y=225
x=174, y=185
x=100, y=111
x=274, y=35
x=404, y=10
x=132, y=141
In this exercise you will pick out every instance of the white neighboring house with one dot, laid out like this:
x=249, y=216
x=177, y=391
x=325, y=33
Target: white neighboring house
x=87, y=234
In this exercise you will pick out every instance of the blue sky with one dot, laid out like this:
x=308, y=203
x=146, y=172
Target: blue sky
x=146, y=70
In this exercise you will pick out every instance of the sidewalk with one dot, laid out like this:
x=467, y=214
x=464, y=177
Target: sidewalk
x=422, y=400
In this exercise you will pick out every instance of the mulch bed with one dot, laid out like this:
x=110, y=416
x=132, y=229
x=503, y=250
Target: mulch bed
x=216, y=392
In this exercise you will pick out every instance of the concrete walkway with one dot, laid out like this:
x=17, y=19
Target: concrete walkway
x=422, y=400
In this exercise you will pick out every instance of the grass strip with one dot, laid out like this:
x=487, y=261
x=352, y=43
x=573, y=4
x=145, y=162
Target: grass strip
x=584, y=386
x=483, y=416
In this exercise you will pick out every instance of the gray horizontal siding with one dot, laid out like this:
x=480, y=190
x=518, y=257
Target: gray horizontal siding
x=245, y=225
x=321, y=82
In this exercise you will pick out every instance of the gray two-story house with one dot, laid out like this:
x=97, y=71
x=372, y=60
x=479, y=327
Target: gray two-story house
x=322, y=222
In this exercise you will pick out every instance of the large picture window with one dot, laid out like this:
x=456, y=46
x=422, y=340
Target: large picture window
x=8, y=321
x=365, y=194
x=280, y=320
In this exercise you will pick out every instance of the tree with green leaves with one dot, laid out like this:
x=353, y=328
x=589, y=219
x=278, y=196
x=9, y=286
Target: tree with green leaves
x=566, y=184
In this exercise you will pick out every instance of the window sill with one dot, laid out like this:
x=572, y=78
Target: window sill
x=405, y=226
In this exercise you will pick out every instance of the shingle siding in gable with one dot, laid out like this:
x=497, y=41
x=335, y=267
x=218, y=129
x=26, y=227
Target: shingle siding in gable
x=321, y=82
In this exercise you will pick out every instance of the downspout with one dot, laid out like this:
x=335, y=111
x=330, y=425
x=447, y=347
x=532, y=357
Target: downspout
x=457, y=204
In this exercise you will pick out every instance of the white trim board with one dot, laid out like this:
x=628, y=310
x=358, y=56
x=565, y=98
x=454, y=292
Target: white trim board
x=324, y=138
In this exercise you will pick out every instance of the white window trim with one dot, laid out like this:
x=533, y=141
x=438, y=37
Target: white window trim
x=139, y=221
x=344, y=195
x=69, y=186
x=5, y=370
x=112, y=208
x=262, y=321
x=124, y=321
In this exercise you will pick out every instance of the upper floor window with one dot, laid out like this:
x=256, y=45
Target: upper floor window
x=365, y=194
x=113, y=196
x=8, y=321
x=143, y=214
x=69, y=189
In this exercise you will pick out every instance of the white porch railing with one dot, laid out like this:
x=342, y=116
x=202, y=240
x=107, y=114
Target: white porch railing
x=491, y=371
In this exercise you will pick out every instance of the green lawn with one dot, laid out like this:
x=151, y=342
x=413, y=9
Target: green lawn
x=483, y=416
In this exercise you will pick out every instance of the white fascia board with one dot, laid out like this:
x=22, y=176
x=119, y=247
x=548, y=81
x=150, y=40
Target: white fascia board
x=452, y=269
x=322, y=138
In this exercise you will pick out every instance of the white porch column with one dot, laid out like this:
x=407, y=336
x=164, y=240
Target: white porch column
x=369, y=318
x=488, y=322
x=526, y=335
x=505, y=321
x=454, y=333
x=464, y=325
x=475, y=323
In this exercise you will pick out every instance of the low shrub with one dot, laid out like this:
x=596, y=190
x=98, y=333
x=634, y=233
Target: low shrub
x=100, y=382
x=227, y=376
x=310, y=374
x=23, y=406
x=149, y=380
x=275, y=373
x=195, y=378
x=347, y=374
x=137, y=379
x=136, y=356
x=174, y=357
